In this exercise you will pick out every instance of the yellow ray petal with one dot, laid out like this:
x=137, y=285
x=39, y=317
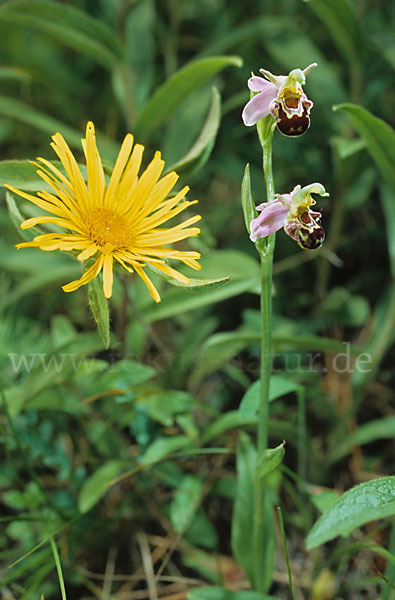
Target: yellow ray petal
x=90, y=274
x=145, y=184
x=159, y=192
x=107, y=275
x=72, y=169
x=45, y=205
x=94, y=167
x=129, y=179
x=151, y=288
x=173, y=273
x=88, y=252
x=56, y=221
x=119, y=167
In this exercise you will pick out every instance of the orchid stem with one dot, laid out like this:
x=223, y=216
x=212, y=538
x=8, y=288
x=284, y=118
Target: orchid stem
x=261, y=547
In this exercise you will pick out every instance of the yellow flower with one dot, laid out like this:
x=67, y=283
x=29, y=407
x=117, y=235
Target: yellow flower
x=119, y=221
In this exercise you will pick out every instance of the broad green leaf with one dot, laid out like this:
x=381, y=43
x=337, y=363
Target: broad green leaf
x=17, y=219
x=185, y=502
x=98, y=304
x=341, y=20
x=165, y=446
x=125, y=374
x=279, y=386
x=201, y=149
x=196, y=284
x=325, y=500
x=163, y=406
x=21, y=174
x=67, y=25
x=387, y=197
x=188, y=517
x=363, y=503
x=243, y=509
x=171, y=93
x=369, y=432
x=269, y=460
x=97, y=485
x=220, y=593
x=379, y=137
x=247, y=202
x=347, y=147
x=381, y=338
x=229, y=420
x=62, y=331
x=243, y=270
x=15, y=109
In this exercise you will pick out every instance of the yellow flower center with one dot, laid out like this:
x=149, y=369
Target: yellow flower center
x=108, y=228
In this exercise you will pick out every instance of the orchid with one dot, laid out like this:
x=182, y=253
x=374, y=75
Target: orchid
x=293, y=213
x=283, y=97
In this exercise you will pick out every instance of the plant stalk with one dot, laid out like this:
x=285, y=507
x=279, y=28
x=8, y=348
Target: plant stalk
x=262, y=561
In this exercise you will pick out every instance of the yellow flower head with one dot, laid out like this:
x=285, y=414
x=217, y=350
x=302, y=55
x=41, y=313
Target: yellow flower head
x=121, y=221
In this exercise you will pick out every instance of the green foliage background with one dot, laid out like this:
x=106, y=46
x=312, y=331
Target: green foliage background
x=164, y=404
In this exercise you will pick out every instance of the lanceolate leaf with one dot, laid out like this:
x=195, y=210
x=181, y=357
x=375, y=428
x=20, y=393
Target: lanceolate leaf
x=340, y=18
x=363, y=503
x=15, y=109
x=201, y=149
x=243, y=510
x=219, y=593
x=171, y=93
x=247, y=202
x=97, y=484
x=379, y=136
x=67, y=25
x=99, y=306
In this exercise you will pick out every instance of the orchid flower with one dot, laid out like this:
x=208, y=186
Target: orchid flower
x=283, y=97
x=293, y=213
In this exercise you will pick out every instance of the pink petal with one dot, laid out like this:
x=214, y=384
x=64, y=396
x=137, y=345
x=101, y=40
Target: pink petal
x=258, y=84
x=271, y=219
x=259, y=106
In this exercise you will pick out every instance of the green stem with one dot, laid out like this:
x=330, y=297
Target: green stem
x=58, y=567
x=266, y=249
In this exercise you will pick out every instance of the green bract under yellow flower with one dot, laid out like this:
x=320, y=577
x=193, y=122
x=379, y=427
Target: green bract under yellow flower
x=120, y=221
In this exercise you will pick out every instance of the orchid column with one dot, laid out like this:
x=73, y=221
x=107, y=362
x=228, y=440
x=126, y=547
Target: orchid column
x=277, y=102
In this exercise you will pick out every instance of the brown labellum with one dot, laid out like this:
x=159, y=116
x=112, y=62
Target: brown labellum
x=292, y=126
x=311, y=240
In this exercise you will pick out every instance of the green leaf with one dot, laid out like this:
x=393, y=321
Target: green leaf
x=187, y=515
x=165, y=405
x=195, y=284
x=17, y=219
x=185, y=502
x=269, y=460
x=279, y=386
x=219, y=593
x=171, y=93
x=229, y=420
x=219, y=265
x=378, y=429
x=363, y=503
x=125, y=375
x=243, y=509
x=379, y=136
x=165, y=446
x=15, y=109
x=247, y=202
x=387, y=202
x=98, y=304
x=341, y=20
x=21, y=174
x=97, y=485
x=68, y=25
x=201, y=149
